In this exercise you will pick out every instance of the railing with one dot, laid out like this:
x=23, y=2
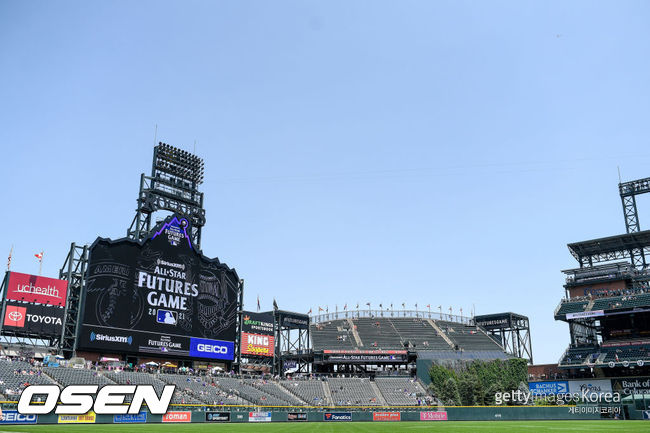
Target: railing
x=388, y=314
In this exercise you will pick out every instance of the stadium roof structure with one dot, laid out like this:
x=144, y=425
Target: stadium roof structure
x=611, y=248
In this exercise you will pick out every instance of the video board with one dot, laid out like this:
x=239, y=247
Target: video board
x=29, y=319
x=257, y=337
x=159, y=296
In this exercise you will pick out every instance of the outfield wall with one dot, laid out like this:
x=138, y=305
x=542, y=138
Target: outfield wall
x=224, y=415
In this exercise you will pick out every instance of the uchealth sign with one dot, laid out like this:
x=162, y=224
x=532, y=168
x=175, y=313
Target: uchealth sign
x=33, y=288
x=433, y=416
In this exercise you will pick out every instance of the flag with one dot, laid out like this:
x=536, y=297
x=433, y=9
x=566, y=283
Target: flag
x=11, y=251
x=309, y=311
x=357, y=305
x=403, y=305
x=345, y=307
x=327, y=308
x=320, y=309
x=258, y=303
x=368, y=304
x=381, y=306
x=39, y=256
x=416, y=305
x=428, y=305
x=275, y=304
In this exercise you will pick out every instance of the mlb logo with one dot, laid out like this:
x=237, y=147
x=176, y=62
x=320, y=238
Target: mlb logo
x=167, y=317
x=15, y=316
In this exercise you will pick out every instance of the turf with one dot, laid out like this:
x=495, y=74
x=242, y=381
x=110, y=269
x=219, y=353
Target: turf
x=370, y=427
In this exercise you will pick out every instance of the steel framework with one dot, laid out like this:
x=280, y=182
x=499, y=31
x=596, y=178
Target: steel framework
x=628, y=192
x=74, y=271
x=292, y=343
x=511, y=330
x=172, y=186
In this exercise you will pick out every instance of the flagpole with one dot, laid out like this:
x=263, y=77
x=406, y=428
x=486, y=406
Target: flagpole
x=40, y=263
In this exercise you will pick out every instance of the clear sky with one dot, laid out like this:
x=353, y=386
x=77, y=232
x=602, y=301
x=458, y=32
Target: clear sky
x=438, y=152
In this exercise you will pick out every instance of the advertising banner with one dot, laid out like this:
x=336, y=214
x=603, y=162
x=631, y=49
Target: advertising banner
x=259, y=416
x=549, y=388
x=130, y=419
x=33, y=319
x=433, y=416
x=13, y=417
x=158, y=287
x=217, y=416
x=295, y=320
x=585, y=314
x=257, y=323
x=631, y=386
x=215, y=349
x=386, y=416
x=184, y=416
x=337, y=416
x=88, y=418
x=297, y=416
x=32, y=288
x=257, y=345
x=591, y=386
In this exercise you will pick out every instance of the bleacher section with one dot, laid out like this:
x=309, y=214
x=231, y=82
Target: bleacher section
x=332, y=335
x=630, y=353
x=309, y=391
x=567, y=307
x=466, y=336
x=628, y=301
x=353, y=392
x=251, y=393
x=77, y=376
x=382, y=333
x=400, y=391
x=579, y=355
x=134, y=378
x=272, y=388
x=202, y=388
x=16, y=375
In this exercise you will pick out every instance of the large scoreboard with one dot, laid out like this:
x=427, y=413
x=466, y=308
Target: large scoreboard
x=159, y=296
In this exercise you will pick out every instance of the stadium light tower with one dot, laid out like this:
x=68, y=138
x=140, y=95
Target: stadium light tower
x=629, y=191
x=173, y=186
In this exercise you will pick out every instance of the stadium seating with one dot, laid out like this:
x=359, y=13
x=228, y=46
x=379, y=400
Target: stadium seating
x=628, y=301
x=571, y=307
x=16, y=375
x=136, y=378
x=580, y=355
x=392, y=333
x=353, y=392
x=332, y=335
x=631, y=353
x=251, y=393
x=310, y=391
x=468, y=337
x=202, y=388
x=274, y=389
x=400, y=391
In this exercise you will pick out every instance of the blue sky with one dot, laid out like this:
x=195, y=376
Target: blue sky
x=440, y=152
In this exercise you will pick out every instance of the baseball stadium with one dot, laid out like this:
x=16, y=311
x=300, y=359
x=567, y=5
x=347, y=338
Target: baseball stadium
x=151, y=309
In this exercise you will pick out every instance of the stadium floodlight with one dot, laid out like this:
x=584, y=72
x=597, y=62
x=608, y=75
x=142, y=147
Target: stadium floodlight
x=178, y=163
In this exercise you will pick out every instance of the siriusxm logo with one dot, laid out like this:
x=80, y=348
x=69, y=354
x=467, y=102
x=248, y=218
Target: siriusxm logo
x=111, y=338
x=216, y=349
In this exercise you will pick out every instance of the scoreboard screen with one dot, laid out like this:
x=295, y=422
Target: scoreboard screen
x=159, y=296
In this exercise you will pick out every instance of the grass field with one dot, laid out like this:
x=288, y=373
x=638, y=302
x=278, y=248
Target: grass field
x=370, y=427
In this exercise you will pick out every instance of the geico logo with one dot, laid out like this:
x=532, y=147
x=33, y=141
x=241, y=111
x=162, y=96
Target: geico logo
x=211, y=348
x=79, y=399
x=43, y=319
x=16, y=417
